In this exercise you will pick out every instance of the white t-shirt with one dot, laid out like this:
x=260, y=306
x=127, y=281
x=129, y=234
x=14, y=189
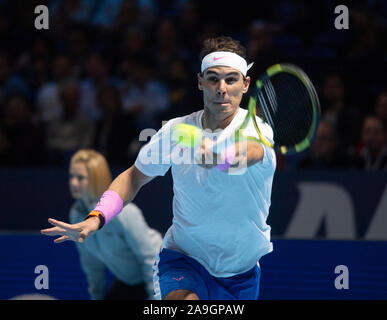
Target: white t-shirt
x=218, y=219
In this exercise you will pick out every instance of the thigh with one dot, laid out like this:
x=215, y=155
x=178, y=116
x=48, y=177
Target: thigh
x=174, y=271
x=243, y=286
x=248, y=289
x=181, y=294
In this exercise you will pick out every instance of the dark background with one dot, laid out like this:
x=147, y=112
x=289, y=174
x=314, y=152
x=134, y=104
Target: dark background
x=54, y=83
x=105, y=70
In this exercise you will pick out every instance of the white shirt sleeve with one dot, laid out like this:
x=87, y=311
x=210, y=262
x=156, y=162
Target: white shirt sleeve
x=154, y=159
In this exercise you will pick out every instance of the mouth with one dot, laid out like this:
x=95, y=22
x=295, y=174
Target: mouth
x=222, y=103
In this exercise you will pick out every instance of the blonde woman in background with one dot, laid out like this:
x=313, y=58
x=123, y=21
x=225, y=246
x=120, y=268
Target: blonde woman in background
x=127, y=246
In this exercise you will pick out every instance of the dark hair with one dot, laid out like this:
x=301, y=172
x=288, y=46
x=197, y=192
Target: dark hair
x=222, y=44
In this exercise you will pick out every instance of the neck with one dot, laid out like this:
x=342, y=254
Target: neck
x=214, y=121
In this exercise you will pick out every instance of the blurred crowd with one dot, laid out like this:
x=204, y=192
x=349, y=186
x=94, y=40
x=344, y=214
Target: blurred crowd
x=106, y=69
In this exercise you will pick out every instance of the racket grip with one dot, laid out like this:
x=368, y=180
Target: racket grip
x=110, y=204
x=228, y=157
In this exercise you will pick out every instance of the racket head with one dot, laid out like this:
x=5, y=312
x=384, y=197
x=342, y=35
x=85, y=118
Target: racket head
x=286, y=99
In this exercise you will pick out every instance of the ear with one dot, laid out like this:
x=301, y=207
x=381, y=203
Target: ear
x=246, y=84
x=200, y=85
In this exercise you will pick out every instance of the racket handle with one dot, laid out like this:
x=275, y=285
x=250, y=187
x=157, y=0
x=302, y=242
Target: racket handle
x=228, y=157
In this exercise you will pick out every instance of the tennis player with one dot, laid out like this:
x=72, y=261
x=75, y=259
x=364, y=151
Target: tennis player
x=126, y=246
x=219, y=230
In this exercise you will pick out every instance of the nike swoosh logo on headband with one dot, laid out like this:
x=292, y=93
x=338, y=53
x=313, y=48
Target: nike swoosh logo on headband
x=215, y=58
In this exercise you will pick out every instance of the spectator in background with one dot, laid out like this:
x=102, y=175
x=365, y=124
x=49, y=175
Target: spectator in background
x=302, y=17
x=4, y=149
x=72, y=130
x=126, y=16
x=147, y=12
x=381, y=108
x=144, y=97
x=48, y=97
x=363, y=43
x=66, y=13
x=106, y=13
x=22, y=139
x=11, y=83
x=126, y=247
x=41, y=47
x=6, y=22
x=337, y=112
x=33, y=62
x=189, y=25
x=38, y=74
x=97, y=76
x=260, y=47
x=166, y=48
x=77, y=43
x=140, y=13
x=131, y=46
x=181, y=98
x=324, y=152
x=116, y=136
x=373, y=149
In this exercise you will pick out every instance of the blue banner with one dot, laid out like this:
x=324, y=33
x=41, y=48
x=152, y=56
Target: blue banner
x=32, y=265
x=304, y=205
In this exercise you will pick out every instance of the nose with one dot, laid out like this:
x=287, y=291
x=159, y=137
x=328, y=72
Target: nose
x=221, y=90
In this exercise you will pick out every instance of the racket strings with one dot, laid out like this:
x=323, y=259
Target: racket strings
x=287, y=107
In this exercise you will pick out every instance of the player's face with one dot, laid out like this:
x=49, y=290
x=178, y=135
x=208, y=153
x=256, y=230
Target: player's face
x=223, y=88
x=79, y=181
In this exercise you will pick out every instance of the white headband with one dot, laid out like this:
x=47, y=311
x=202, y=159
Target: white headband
x=225, y=58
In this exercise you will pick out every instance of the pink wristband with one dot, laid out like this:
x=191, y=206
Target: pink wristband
x=229, y=157
x=109, y=205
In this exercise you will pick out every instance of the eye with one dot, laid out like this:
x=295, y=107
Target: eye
x=231, y=80
x=213, y=79
x=78, y=177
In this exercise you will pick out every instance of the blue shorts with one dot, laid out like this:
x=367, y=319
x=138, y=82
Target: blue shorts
x=174, y=270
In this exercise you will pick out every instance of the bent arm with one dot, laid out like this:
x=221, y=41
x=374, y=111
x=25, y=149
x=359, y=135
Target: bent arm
x=245, y=153
x=249, y=152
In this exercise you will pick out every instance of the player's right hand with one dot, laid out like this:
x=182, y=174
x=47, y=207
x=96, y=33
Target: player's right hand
x=204, y=155
x=75, y=232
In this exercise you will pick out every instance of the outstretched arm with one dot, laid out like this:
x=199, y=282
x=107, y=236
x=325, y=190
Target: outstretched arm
x=245, y=154
x=126, y=186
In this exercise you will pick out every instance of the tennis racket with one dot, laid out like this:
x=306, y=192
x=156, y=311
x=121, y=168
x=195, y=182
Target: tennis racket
x=285, y=98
